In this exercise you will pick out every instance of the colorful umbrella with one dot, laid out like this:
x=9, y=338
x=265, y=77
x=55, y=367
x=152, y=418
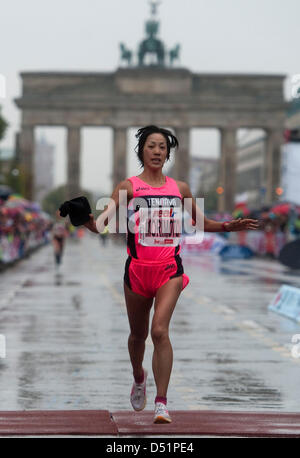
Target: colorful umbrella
x=281, y=209
x=241, y=210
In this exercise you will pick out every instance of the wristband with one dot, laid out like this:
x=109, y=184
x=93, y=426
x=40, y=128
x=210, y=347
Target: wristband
x=224, y=226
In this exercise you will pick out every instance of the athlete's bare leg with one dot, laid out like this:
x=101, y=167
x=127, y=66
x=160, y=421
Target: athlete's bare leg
x=162, y=361
x=58, y=250
x=138, y=311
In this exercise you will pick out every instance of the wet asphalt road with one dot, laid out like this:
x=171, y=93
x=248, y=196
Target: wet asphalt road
x=66, y=340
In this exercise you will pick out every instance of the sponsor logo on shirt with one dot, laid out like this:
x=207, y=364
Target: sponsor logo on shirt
x=142, y=189
x=163, y=201
x=169, y=266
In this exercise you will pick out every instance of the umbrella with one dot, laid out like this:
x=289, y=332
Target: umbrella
x=16, y=201
x=289, y=255
x=240, y=210
x=284, y=209
x=281, y=209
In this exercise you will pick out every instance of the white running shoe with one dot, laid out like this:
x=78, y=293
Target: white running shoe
x=138, y=396
x=161, y=413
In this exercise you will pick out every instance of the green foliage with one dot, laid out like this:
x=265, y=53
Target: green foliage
x=15, y=181
x=3, y=126
x=57, y=196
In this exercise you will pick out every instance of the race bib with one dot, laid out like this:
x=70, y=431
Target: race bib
x=160, y=226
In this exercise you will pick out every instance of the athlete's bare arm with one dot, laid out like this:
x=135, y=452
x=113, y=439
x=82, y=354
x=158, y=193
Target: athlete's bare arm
x=110, y=210
x=209, y=224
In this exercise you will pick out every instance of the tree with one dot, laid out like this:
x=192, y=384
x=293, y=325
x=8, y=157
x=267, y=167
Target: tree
x=15, y=178
x=3, y=126
x=55, y=198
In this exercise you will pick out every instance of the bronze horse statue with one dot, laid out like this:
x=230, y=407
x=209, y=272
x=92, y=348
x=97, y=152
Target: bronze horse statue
x=174, y=54
x=126, y=54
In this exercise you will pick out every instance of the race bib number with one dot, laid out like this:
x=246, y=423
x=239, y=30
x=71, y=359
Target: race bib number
x=160, y=226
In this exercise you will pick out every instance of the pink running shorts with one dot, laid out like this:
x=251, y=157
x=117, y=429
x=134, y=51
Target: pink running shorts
x=145, y=277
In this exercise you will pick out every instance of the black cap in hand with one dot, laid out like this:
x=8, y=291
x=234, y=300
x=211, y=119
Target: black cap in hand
x=78, y=210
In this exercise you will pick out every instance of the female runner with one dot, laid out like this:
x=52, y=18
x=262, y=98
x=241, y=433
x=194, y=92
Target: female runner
x=153, y=269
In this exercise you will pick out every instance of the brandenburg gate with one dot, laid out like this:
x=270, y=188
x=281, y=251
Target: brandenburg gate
x=155, y=93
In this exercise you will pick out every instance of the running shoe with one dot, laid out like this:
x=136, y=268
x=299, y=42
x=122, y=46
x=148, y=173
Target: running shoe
x=161, y=413
x=138, y=397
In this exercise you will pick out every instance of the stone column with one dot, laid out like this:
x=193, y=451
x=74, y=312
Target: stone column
x=182, y=155
x=227, y=170
x=119, y=155
x=26, y=157
x=73, y=162
x=272, y=163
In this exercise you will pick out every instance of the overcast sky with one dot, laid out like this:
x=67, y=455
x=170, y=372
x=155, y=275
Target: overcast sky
x=234, y=36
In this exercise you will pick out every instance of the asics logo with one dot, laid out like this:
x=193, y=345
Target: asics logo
x=141, y=189
x=169, y=266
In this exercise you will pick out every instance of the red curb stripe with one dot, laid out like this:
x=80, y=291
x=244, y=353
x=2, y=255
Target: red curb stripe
x=120, y=423
x=72, y=422
x=211, y=423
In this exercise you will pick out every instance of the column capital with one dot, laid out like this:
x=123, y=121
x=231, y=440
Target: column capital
x=27, y=127
x=229, y=128
x=275, y=129
x=276, y=134
x=73, y=127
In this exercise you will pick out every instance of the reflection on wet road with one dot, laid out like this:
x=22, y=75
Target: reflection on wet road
x=66, y=336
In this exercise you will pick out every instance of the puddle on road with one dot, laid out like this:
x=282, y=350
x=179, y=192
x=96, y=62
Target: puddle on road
x=236, y=387
x=214, y=264
x=221, y=358
x=229, y=271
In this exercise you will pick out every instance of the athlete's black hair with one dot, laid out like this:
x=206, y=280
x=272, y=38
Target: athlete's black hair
x=144, y=132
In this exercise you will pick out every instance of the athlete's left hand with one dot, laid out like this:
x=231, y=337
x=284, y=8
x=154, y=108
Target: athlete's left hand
x=242, y=224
